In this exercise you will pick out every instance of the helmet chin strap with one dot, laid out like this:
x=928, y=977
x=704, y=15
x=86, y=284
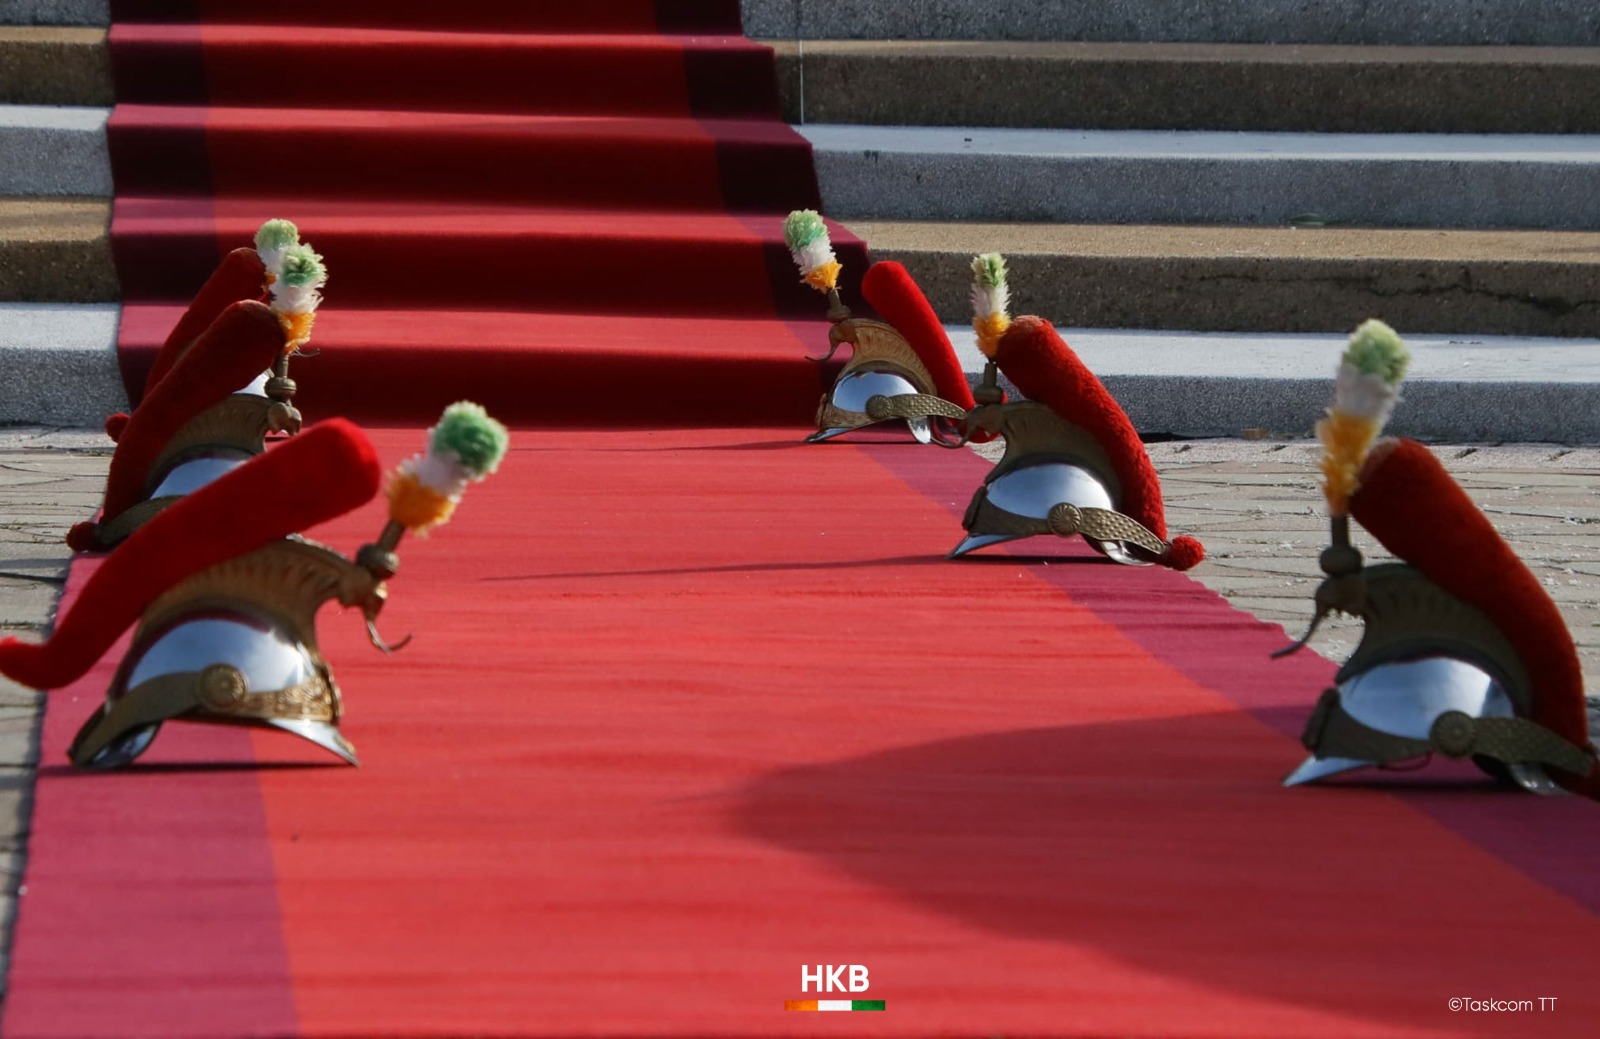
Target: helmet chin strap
x=1332, y=732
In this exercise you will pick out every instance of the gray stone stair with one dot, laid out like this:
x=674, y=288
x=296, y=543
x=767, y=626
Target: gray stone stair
x=1407, y=22
x=55, y=12
x=54, y=65
x=1263, y=279
x=1191, y=86
x=1187, y=176
x=46, y=150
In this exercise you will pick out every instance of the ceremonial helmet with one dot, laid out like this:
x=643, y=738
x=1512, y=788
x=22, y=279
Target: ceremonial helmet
x=213, y=396
x=1073, y=463
x=208, y=414
x=1463, y=653
x=224, y=592
x=243, y=274
x=903, y=358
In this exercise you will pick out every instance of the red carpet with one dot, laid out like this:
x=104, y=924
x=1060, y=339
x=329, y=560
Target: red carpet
x=688, y=709
x=511, y=198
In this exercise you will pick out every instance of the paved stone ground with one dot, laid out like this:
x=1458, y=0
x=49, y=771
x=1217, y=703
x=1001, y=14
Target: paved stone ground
x=48, y=481
x=1254, y=503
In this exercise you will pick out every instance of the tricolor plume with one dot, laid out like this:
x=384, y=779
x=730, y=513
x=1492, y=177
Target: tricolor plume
x=273, y=240
x=1364, y=397
x=990, y=301
x=467, y=445
x=807, y=238
x=296, y=292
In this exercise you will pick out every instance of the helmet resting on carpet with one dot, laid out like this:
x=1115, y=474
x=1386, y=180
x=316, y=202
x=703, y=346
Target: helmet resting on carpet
x=1073, y=463
x=208, y=415
x=902, y=367
x=1463, y=652
x=226, y=592
x=243, y=274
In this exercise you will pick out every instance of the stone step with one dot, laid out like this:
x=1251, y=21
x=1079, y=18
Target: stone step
x=1190, y=176
x=55, y=12
x=1527, y=283
x=1189, y=86
x=56, y=250
x=1441, y=22
x=61, y=368
x=1330, y=88
x=46, y=150
x=54, y=65
x=60, y=364
x=1537, y=283
x=1089, y=176
x=1479, y=389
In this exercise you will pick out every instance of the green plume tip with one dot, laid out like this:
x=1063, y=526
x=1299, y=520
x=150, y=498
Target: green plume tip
x=989, y=269
x=277, y=234
x=802, y=227
x=302, y=266
x=476, y=439
x=1376, y=349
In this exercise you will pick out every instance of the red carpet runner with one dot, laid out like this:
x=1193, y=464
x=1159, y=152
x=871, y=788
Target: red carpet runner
x=567, y=212
x=689, y=709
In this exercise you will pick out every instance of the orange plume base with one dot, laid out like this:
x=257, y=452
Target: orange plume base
x=414, y=505
x=824, y=278
x=990, y=328
x=1347, y=438
x=296, y=329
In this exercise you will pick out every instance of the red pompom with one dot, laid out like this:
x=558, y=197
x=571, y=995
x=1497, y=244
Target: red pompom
x=83, y=537
x=1184, y=553
x=115, y=424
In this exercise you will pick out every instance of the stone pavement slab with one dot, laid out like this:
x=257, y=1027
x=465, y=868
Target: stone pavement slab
x=49, y=480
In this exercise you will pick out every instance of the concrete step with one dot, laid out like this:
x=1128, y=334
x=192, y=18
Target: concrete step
x=60, y=364
x=55, y=12
x=56, y=250
x=61, y=370
x=1479, y=389
x=1538, y=283
x=47, y=150
x=1531, y=283
x=1112, y=86
x=954, y=173
x=1188, y=176
x=1190, y=86
x=54, y=65
x=1444, y=22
